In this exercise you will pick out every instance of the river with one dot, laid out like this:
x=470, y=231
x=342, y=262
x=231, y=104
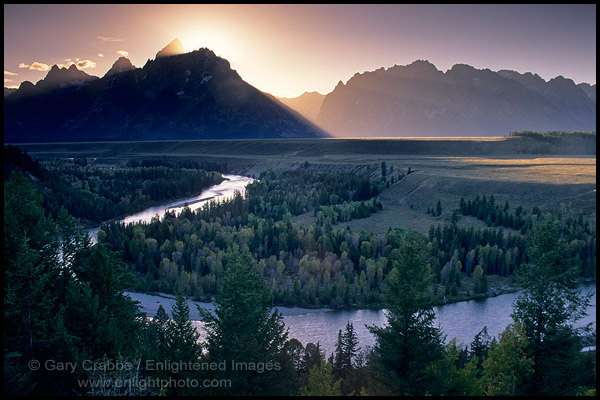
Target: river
x=222, y=191
x=462, y=320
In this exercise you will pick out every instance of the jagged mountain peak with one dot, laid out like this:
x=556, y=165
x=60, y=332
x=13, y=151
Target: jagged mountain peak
x=172, y=49
x=58, y=77
x=419, y=69
x=122, y=64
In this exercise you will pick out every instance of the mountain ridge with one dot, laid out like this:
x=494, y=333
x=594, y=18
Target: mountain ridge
x=194, y=95
x=411, y=100
x=419, y=100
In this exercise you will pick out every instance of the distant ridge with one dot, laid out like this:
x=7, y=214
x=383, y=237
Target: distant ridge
x=174, y=97
x=308, y=104
x=418, y=100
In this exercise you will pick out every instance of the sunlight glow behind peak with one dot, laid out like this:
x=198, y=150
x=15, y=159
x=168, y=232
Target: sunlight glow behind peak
x=221, y=42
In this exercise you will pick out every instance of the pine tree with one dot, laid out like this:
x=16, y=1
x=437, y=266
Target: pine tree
x=245, y=329
x=62, y=298
x=30, y=273
x=480, y=346
x=182, y=336
x=346, y=351
x=182, y=346
x=548, y=305
x=410, y=343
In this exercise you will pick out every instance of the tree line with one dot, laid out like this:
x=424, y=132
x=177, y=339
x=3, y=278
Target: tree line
x=347, y=211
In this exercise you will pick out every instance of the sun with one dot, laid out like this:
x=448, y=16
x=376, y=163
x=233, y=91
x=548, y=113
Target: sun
x=220, y=41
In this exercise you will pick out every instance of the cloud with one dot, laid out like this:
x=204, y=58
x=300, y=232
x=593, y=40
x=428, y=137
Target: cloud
x=7, y=80
x=86, y=64
x=9, y=73
x=80, y=64
x=123, y=53
x=38, y=66
x=105, y=39
x=100, y=55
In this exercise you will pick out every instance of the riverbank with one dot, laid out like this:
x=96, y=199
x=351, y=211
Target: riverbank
x=501, y=286
x=461, y=320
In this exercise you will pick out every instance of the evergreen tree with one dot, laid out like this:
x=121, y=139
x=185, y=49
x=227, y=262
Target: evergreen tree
x=182, y=346
x=480, y=346
x=62, y=298
x=410, y=343
x=30, y=275
x=548, y=305
x=157, y=336
x=346, y=350
x=245, y=329
x=182, y=336
x=118, y=321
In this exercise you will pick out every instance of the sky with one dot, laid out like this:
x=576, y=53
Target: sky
x=287, y=50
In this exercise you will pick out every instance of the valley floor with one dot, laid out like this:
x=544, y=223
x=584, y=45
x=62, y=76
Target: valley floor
x=522, y=171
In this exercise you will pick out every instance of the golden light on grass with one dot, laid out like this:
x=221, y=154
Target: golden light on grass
x=556, y=170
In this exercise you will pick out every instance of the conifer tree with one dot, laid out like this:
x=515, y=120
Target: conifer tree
x=346, y=350
x=30, y=274
x=410, y=343
x=245, y=329
x=548, y=306
x=480, y=346
x=182, y=346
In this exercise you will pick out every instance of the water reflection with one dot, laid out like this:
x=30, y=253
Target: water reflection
x=461, y=320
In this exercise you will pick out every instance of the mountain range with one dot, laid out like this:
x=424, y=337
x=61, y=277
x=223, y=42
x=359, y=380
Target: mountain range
x=173, y=97
x=419, y=100
x=180, y=96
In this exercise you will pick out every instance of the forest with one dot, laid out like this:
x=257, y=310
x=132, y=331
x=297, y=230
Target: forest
x=64, y=302
x=555, y=135
x=320, y=265
x=95, y=193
